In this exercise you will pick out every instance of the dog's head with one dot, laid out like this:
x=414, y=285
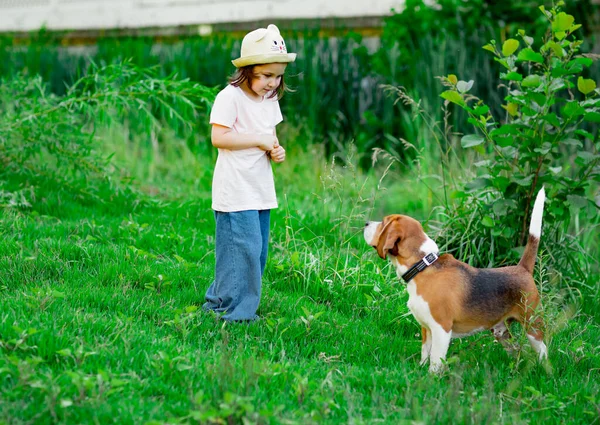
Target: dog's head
x=398, y=236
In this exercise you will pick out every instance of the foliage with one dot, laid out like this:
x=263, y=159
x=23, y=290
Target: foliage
x=101, y=302
x=50, y=142
x=549, y=137
x=337, y=74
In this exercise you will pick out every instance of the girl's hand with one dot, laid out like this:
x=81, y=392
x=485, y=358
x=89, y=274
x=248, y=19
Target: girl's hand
x=278, y=154
x=267, y=142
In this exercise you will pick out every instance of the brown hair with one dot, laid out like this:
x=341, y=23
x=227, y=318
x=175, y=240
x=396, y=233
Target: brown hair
x=245, y=75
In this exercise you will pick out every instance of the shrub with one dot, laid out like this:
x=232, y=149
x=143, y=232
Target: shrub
x=48, y=142
x=549, y=137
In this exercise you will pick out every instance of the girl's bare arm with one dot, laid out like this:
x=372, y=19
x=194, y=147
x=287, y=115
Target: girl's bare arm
x=225, y=138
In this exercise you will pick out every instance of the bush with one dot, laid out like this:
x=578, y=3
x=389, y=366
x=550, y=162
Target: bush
x=549, y=137
x=48, y=142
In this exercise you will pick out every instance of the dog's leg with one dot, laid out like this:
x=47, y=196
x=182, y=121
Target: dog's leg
x=535, y=335
x=503, y=336
x=425, y=344
x=439, y=347
x=534, y=327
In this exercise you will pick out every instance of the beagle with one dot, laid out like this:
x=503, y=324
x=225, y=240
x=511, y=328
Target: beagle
x=451, y=299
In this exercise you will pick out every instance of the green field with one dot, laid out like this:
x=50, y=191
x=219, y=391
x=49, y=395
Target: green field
x=100, y=319
x=107, y=241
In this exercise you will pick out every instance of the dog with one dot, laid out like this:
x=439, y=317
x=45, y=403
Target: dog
x=451, y=299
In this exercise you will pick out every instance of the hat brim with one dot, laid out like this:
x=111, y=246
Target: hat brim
x=261, y=59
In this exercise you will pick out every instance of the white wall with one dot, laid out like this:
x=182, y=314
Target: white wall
x=27, y=15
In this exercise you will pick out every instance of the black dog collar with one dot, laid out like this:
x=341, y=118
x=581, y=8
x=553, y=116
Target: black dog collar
x=428, y=260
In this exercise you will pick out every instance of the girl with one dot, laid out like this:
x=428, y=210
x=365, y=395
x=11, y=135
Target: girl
x=243, y=120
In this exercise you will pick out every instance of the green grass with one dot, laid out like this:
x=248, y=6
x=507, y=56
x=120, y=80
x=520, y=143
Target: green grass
x=100, y=318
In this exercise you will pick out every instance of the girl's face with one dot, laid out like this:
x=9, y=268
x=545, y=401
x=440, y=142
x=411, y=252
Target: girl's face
x=267, y=78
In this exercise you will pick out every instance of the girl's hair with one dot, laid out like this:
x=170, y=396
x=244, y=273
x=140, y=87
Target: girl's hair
x=245, y=75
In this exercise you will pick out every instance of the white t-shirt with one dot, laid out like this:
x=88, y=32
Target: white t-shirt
x=243, y=179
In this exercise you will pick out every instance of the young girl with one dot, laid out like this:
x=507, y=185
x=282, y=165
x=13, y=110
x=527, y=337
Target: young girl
x=243, y=120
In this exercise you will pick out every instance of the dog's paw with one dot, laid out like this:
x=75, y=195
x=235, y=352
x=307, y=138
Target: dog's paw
x=437, y=368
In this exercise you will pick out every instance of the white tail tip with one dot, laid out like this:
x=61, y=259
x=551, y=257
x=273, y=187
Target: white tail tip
x=535, y=228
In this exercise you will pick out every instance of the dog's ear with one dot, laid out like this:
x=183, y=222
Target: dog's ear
x=389, y=236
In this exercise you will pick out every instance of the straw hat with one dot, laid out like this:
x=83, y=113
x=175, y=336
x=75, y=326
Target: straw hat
x=264, y=45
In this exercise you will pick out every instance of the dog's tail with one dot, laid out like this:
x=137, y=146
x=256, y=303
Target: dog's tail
x=535, y=231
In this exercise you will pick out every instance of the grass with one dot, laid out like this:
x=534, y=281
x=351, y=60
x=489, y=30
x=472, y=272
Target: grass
x=100, y=318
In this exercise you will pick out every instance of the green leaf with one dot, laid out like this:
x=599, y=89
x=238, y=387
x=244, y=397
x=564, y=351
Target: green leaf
x=532, y=81
x=454, y=97
x=552, y=119
x=487, y=221
x=512, y=108
x=586, y=86
x=504, y=130
x=581, y=61
x=562, y=22
x=529, y=55
x=556, y=48
x=571, y=68
x=559, y=71
x=504, y=141
x=478, y=183
x=471, y=140
x=503, y=136
x=585, y=134
x=574, y=28
x=538, y=98
x=544, y=149
x=510, y=46
x=573, y=109
x=512, y=76
x=524, y=181
x=592, y=117
x=489, y=48
x=458, y=194
x=501, y=183
x=503, y=62
x=481, y=110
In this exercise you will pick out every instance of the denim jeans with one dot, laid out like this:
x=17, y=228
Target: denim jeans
x=242, y=243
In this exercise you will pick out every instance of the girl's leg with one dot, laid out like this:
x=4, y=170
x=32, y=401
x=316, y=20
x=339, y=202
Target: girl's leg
x=236, y=289
x=264, y=217
x=222, y=293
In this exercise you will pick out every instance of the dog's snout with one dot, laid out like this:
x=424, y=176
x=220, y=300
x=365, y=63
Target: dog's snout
x=369, y=231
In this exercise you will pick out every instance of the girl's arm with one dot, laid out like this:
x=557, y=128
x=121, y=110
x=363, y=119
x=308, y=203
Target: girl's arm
x=225, y=138
x=278, y=153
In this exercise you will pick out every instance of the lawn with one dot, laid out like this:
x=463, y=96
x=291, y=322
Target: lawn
x=100, y=318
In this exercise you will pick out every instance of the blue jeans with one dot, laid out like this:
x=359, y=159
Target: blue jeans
x=242, y=243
